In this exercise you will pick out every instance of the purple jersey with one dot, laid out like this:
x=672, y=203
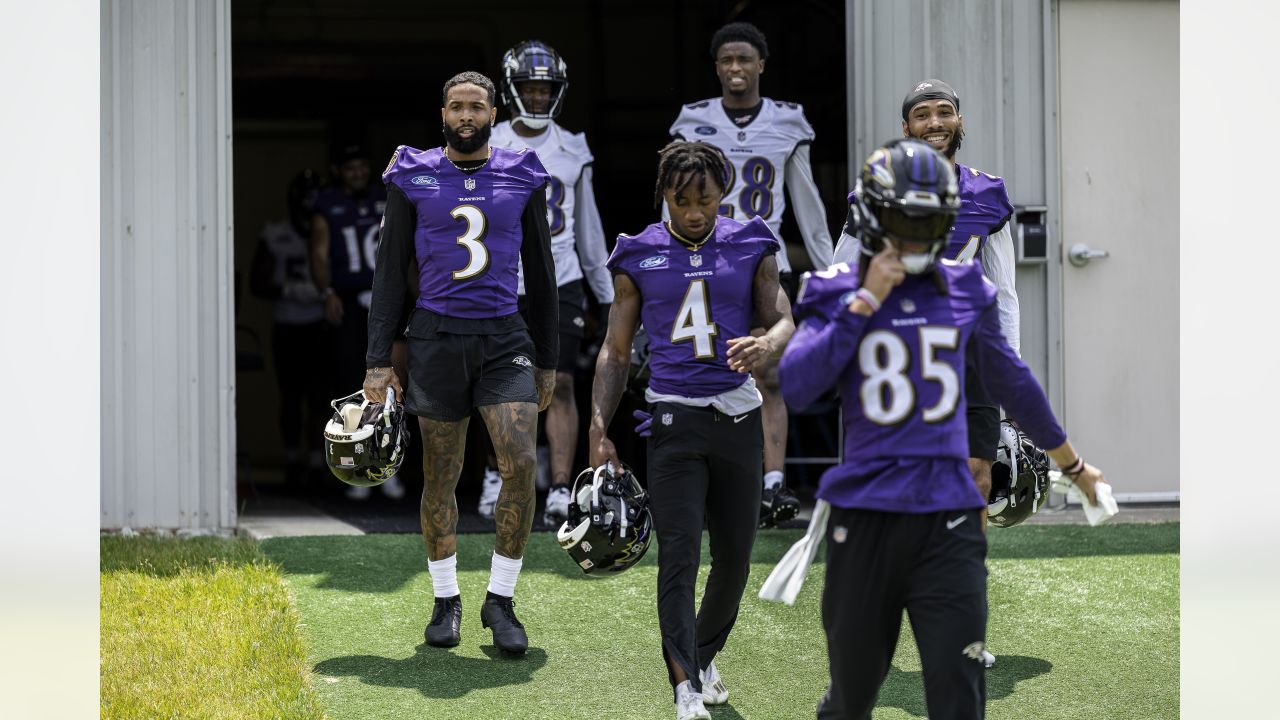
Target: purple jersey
x=353, y=234
x=984, y=208
x=694, y=301
x=469, y=234
x=900, y=374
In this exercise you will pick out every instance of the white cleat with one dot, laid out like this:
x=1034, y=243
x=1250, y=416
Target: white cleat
x=489, y=493
x=393, y=488
x=988, y=659
x=689, y=703
x=713, y=690
x=557, y=507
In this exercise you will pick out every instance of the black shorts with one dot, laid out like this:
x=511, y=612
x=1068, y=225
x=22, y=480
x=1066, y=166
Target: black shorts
x=983, y=417
x=573, y=322
x=450, y=375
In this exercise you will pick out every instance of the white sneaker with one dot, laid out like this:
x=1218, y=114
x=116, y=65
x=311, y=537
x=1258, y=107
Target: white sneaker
x=392, y=488
x=689, y=703
x=489, y=493
x=713, y=690
x=988, y=659
x=557, y=507
x=358, y=492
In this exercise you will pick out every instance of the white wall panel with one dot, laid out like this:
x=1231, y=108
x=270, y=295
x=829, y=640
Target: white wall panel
x=168, y=450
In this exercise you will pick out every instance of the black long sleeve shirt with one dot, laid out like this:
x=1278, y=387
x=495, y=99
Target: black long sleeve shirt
x=395, y=285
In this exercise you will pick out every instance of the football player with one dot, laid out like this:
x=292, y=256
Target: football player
x=767, y=145
x=281, y=273
x=344, y=241
x=461, y=218
x=931, y=113
x=533, y=86
x=891, y=333
x=696, y=281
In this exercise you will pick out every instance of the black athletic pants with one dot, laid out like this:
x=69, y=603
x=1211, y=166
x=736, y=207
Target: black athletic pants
x=702, y=463
x=933, y=566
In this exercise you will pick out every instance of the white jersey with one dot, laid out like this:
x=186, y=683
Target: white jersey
x=577, y=235
x=300, y=303
x=767, y=155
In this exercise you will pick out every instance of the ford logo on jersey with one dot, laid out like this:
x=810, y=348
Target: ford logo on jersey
x=423, y=180
x=652, y=263
x=705, y=130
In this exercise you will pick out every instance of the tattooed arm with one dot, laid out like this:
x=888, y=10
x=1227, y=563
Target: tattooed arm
x=774, y=312
x=611, y=368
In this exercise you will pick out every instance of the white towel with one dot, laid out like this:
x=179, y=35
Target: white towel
x=784, y=583
x=1095, y=514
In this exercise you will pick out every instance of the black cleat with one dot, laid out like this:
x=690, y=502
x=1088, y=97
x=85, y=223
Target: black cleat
x=777, y=506
x=499, y=614
x=445, y=628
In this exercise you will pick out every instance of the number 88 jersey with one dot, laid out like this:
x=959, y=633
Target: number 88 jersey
x=757, y=152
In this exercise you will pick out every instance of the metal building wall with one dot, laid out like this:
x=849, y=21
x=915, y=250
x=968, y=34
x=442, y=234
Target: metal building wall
x=168, y=392
x=999, y=56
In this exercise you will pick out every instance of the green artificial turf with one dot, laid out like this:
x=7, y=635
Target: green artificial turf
x=1084, y=622
x=198, y=628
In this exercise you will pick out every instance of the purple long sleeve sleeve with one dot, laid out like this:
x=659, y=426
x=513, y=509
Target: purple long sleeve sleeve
x=817, y=356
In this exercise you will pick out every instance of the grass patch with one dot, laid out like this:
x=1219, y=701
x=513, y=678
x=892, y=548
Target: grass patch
x=198, y=628
x=1080, y=617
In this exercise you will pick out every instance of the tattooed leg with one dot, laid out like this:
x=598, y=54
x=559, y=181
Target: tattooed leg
x=513, y=427
x=443, y=444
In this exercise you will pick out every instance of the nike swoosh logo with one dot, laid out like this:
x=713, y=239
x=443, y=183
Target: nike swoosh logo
x=739, y=419
x=951, y=524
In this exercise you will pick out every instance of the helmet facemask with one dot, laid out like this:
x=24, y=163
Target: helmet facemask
x=533, y=61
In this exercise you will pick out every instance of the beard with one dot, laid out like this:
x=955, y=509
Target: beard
x=954, y=145
x=478, y=139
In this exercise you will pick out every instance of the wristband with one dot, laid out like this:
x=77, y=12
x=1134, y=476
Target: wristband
x=1074, y=468
x=869, y=298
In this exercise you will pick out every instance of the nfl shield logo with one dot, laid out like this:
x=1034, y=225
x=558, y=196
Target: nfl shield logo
x=695, y=260
x=469, y=183
x=742, y=135
x=667, y=418
x=908, y=306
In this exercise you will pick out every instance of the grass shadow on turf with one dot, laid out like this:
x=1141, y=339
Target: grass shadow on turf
x=904, y=689
x=439, y=672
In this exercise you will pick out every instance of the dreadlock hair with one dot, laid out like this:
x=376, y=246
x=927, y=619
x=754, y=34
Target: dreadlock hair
x=690, y=161
x=473, y=78
x=740, y=32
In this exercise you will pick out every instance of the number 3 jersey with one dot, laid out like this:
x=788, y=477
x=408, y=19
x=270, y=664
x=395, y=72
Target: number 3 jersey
x=693, y=301
x=900, y=374
x=468, y=235
x=758, y=154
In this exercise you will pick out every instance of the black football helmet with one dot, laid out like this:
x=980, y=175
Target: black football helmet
x=533, y=60
x=365, y=442
x=609, y=527
x=1019, y=478
x=909, y=191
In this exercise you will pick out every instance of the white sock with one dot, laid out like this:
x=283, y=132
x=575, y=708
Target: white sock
x=503, y=575
x=444, y=576
x=772, y=479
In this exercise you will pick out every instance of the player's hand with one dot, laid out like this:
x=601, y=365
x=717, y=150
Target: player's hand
x=750, y=353
x=645, y=428
x=376, y=382
x=546, y=382
x=885, y=273
x=333, y=310
x=603, y=451
x=1087, y=481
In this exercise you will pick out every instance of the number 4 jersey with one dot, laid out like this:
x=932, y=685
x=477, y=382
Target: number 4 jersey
x=694, y=301
x=900, y=374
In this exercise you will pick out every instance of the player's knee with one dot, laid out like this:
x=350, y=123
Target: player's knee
x=564, y=388
x=518, y=464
